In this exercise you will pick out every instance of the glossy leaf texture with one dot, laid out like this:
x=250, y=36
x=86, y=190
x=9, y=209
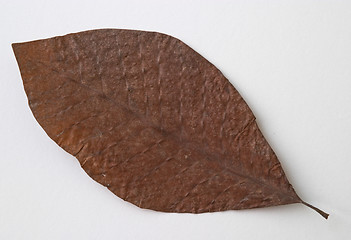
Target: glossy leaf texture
x=152, y=120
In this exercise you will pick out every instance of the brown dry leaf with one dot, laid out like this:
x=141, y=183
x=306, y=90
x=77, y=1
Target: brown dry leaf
x=153, y=121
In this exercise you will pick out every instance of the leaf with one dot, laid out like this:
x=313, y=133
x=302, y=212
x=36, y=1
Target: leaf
x=153, y=121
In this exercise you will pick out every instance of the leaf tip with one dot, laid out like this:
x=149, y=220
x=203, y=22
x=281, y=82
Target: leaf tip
x=15, y=48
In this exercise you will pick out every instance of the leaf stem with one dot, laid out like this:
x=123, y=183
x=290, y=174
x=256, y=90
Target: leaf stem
x=324, y=214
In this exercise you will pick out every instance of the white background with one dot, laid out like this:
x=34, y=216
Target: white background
x=290, y=60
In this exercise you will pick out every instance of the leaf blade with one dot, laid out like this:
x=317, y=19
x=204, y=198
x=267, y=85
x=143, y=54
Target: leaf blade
x=152, y=120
